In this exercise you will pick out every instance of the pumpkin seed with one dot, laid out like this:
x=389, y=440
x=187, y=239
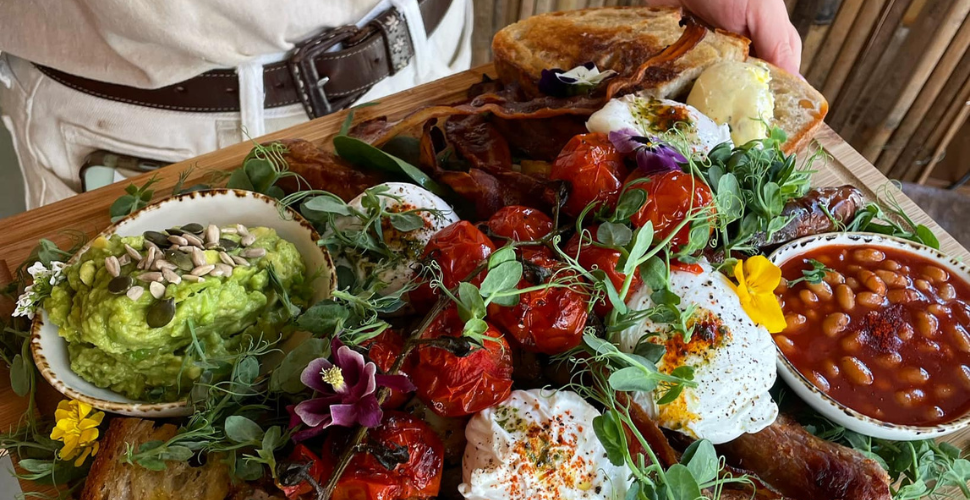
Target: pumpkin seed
x=202, y=270
x=135, y=254
x=212, y=234
x=135, y=292
x=157, y=289
x=174, y=231
x=193, y=240
x=253, y=253
x=240, y=261
x=193, y=279
x=157, y=238
x=171, y=277
x=160, y=313
x=112, y=265
x=86, y=273
x=193, y=228
x=248, y=240
x=178, y=240
x=228, y=244
x=120, y=285
x=180, y=259
x=150, y=276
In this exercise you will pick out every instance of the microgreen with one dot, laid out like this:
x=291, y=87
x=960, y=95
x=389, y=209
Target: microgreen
x=262, y=169
x=888, y=217
x=135, y=199
x=815, y=275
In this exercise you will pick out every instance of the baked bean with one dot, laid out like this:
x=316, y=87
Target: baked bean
x=960, y=337
x=812, y=315
x=910, y=397
x=793, y=302
x=868, y=255
x=943, y=391
x=890, y=265
x=834, y=324
x=928, y=347
x=782, y=287
x=961, y=311
x=825, y=259
x=870, y=300
x=939, y=310
x=892, y=279
x=785, y=343
x=882, y=385
x=808, y=297
x=946, y=291
x=854, y=268
x=905, y=332
x=821, y=290
x=913, y=375
x=834, y=278
x=852, y=283
x=830, y=369
x=923, y=286
x=963, y=375
x=935, y=413
x=856, y=371
x=889, y=360
x=846, y=297
x=935, y=274
x=853, y=342
x=901, y=296
x=795, y=322
x=875, y=283
x=818, y=380
x=926, y=324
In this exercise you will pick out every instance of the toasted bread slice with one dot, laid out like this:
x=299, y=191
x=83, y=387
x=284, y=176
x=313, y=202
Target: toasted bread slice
x=617, y=38
x=111, y=479
x=799, y=108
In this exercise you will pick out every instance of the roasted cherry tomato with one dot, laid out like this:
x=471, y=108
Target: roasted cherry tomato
x=384, y=350
x=458, y=249
x=455, y=386
x=594, y=170
x=549, y=321
x=302, y=455
x=592, y=257
x=671, y=196
x=366, y=478
x=519, y=223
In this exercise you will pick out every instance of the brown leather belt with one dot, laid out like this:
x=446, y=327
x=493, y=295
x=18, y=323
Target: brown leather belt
x=323, y=81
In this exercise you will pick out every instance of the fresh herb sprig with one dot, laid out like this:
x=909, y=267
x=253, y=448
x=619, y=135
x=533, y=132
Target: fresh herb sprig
x=888, y=217
x=262, y=169
x=815, y=275
x=135, y=199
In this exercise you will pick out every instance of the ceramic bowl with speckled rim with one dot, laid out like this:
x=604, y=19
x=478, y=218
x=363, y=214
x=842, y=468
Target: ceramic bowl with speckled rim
x=822, y=402
x=221, y=207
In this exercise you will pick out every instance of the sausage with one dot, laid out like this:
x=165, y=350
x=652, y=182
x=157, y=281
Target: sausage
x=810, y=215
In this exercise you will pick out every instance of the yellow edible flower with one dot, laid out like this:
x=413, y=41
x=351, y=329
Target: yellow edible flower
x=77, y=429
x=757, y=279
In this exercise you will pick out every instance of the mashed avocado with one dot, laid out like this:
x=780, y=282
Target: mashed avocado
x=112, y=346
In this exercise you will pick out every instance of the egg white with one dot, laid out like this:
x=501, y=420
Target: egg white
x=499, y=457
x=410, y=244
x=638, y=113
x=733, y=373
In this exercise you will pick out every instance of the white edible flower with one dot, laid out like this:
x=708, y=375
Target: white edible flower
x=587, y=74
x=44, y=281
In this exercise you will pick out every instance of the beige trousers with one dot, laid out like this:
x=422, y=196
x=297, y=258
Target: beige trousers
x=55, y=127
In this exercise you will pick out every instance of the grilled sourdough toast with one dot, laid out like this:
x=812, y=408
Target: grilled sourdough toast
x=622, y=38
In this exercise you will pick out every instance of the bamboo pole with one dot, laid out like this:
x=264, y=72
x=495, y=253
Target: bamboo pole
x=931, y=90
x=950, y=134
x=837, y=33
x=811, y=44
x=527, y=9
x=482, y=33
x=854, y=42
x=544, y=6
x=949, y=115
x=924, y=66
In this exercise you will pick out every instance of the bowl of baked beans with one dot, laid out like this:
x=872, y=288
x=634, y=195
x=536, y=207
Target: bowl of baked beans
x=878, y=333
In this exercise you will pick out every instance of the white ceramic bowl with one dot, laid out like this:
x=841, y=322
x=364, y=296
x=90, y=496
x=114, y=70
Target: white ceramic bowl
x=221, y=207
x=823, y=403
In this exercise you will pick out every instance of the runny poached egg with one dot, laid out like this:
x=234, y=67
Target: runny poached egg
x=538, y=444
x=733, y=361
x=648, y=116
x=737, y=94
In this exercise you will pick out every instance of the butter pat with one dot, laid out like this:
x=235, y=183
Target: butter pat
x=736, y=93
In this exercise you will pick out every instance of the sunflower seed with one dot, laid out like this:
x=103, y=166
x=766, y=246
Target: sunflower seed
x=178, y=240
x=202, y=270
x=149, y=245
x=171, y=277
x=241, y=229
x=253, y=253
x=157, y=289
x=160, y=313
x=134, y=293
x=146, y=263
x=120, y=285
x=193, y=240
x=193, y=228
x=226, y=259
x=224, y=268
x=149, y=277
x=248, y=240
x=229, y=230
x=212, y=245
x=192, y=278
x=198, y=257
x=124, y=260
x=163, y=265
x=112, y=265
x=212, y=234
x=135, y=254
x=216, y=272
x=240, y=261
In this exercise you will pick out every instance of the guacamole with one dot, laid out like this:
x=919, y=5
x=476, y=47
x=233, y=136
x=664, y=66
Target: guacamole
x=109, y=338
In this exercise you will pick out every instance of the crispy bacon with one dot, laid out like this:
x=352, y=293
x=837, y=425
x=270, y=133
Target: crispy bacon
x=324, y=170
x=540, y=138
x=805, y=467
x=480, y=143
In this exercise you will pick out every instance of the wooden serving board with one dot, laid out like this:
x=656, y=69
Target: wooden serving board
x=88, y=212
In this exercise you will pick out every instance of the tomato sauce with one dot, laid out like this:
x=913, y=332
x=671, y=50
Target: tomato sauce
x=885, y=333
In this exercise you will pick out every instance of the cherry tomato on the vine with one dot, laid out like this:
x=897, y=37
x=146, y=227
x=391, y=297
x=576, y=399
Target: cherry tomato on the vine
x=454, y=386
x=457, y=249
x=593, y=257
x=519, y=223
x=594, y=169
x=671, y=197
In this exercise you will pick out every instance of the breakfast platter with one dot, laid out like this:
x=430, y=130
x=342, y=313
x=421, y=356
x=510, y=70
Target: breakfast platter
x=651, y=276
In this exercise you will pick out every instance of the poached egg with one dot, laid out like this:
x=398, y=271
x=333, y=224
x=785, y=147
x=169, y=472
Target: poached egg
x=733, y=360
x=397, y=197
x=648, y=116
x=538, y=445
x=737, y=94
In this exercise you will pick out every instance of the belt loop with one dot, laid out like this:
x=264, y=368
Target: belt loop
x=419, y=37
x=251, y=99
x=6, y=73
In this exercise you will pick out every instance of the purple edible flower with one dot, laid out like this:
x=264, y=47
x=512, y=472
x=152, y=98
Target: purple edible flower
x=344, y=392
x=653, y=155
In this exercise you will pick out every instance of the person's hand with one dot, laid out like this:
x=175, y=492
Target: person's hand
x=765, y=22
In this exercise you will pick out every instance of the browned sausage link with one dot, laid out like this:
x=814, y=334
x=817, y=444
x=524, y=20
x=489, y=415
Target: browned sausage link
x=811, y=218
